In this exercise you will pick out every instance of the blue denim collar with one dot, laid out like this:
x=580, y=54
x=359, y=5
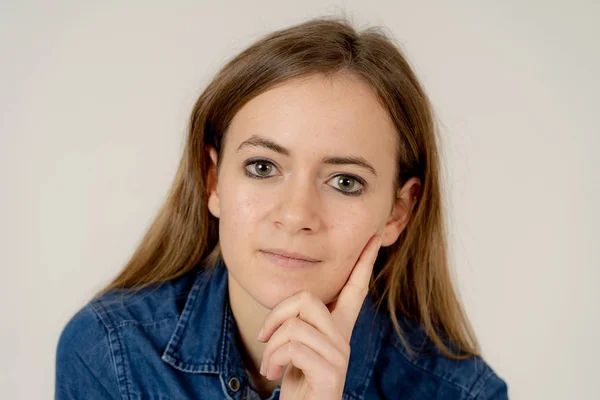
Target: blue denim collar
x=205, y=338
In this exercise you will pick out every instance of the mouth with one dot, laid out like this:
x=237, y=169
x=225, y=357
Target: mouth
x=290, y=255
x=283, y=260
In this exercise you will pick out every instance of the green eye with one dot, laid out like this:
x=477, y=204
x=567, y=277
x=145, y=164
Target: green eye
x=345, y=184
x=258, y=169
x=262, y=168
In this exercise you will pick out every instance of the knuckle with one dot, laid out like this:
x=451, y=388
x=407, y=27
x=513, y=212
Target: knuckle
x=343, y=344
x=338, y=359
x=307, y=297
x=290, y=326
x=347, y=348
x=293, y=348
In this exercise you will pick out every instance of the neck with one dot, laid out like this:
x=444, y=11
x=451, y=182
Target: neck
x=249, y=316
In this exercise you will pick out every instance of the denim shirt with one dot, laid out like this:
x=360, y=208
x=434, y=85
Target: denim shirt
x=179, y=340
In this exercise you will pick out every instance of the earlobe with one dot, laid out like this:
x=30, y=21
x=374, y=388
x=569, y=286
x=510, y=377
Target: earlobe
x=214, y=205
x=395, y=224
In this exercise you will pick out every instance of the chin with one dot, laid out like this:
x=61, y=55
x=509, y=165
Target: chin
x=270, y=295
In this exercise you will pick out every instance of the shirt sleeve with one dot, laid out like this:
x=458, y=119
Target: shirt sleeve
x=84, y=360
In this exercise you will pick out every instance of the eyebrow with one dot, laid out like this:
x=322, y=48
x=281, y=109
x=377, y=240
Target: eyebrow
x=261, y=141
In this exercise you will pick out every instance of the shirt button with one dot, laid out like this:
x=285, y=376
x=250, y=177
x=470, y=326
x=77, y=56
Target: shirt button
x=234, y=384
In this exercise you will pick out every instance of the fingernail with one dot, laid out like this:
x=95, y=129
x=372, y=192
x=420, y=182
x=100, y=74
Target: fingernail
x=260, y=333
x=262, y=368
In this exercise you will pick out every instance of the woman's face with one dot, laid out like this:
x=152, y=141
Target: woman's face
x=308, y=167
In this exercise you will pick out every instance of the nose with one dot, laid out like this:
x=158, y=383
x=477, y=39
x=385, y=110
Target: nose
x=298, y=209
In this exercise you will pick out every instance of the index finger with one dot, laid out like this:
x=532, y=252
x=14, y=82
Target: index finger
x=353, y=294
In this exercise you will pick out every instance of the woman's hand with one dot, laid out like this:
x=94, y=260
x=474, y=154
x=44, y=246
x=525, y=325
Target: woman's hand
x=314, y=338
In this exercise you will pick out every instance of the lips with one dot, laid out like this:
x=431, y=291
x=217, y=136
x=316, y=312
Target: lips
x=291, y=255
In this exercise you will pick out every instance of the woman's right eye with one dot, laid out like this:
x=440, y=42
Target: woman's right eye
x=258, y=169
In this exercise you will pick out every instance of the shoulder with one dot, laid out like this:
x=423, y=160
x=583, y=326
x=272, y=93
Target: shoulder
x=147, y=306
x=89, y=350
x=94, y=323
x=83, y=328
x=438, y=375
x=84, y=362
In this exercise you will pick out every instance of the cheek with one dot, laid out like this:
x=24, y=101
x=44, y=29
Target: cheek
x=239, y=210
x=350, y=231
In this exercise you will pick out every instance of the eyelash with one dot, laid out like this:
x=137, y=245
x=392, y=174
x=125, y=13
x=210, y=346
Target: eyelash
x=260, y=160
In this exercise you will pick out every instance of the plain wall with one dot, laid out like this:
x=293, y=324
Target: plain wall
x=94, y=102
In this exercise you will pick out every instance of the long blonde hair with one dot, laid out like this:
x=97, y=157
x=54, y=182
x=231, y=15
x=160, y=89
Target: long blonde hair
x=413, y=272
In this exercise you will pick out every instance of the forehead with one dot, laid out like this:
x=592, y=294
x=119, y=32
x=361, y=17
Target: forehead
x=318, y=115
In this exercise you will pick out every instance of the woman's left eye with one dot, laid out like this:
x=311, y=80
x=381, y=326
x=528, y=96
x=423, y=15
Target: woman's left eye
x=346, y=183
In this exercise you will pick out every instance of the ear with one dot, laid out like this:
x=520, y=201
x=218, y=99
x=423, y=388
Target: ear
x=402, y=209
x=214, y=204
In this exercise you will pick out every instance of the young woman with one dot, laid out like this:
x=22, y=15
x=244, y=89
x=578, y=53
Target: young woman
x=301, y=251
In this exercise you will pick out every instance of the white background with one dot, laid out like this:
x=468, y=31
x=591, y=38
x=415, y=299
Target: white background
x=94, y=101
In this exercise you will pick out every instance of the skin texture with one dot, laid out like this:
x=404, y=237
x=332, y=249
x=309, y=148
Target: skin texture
x=301, y=206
